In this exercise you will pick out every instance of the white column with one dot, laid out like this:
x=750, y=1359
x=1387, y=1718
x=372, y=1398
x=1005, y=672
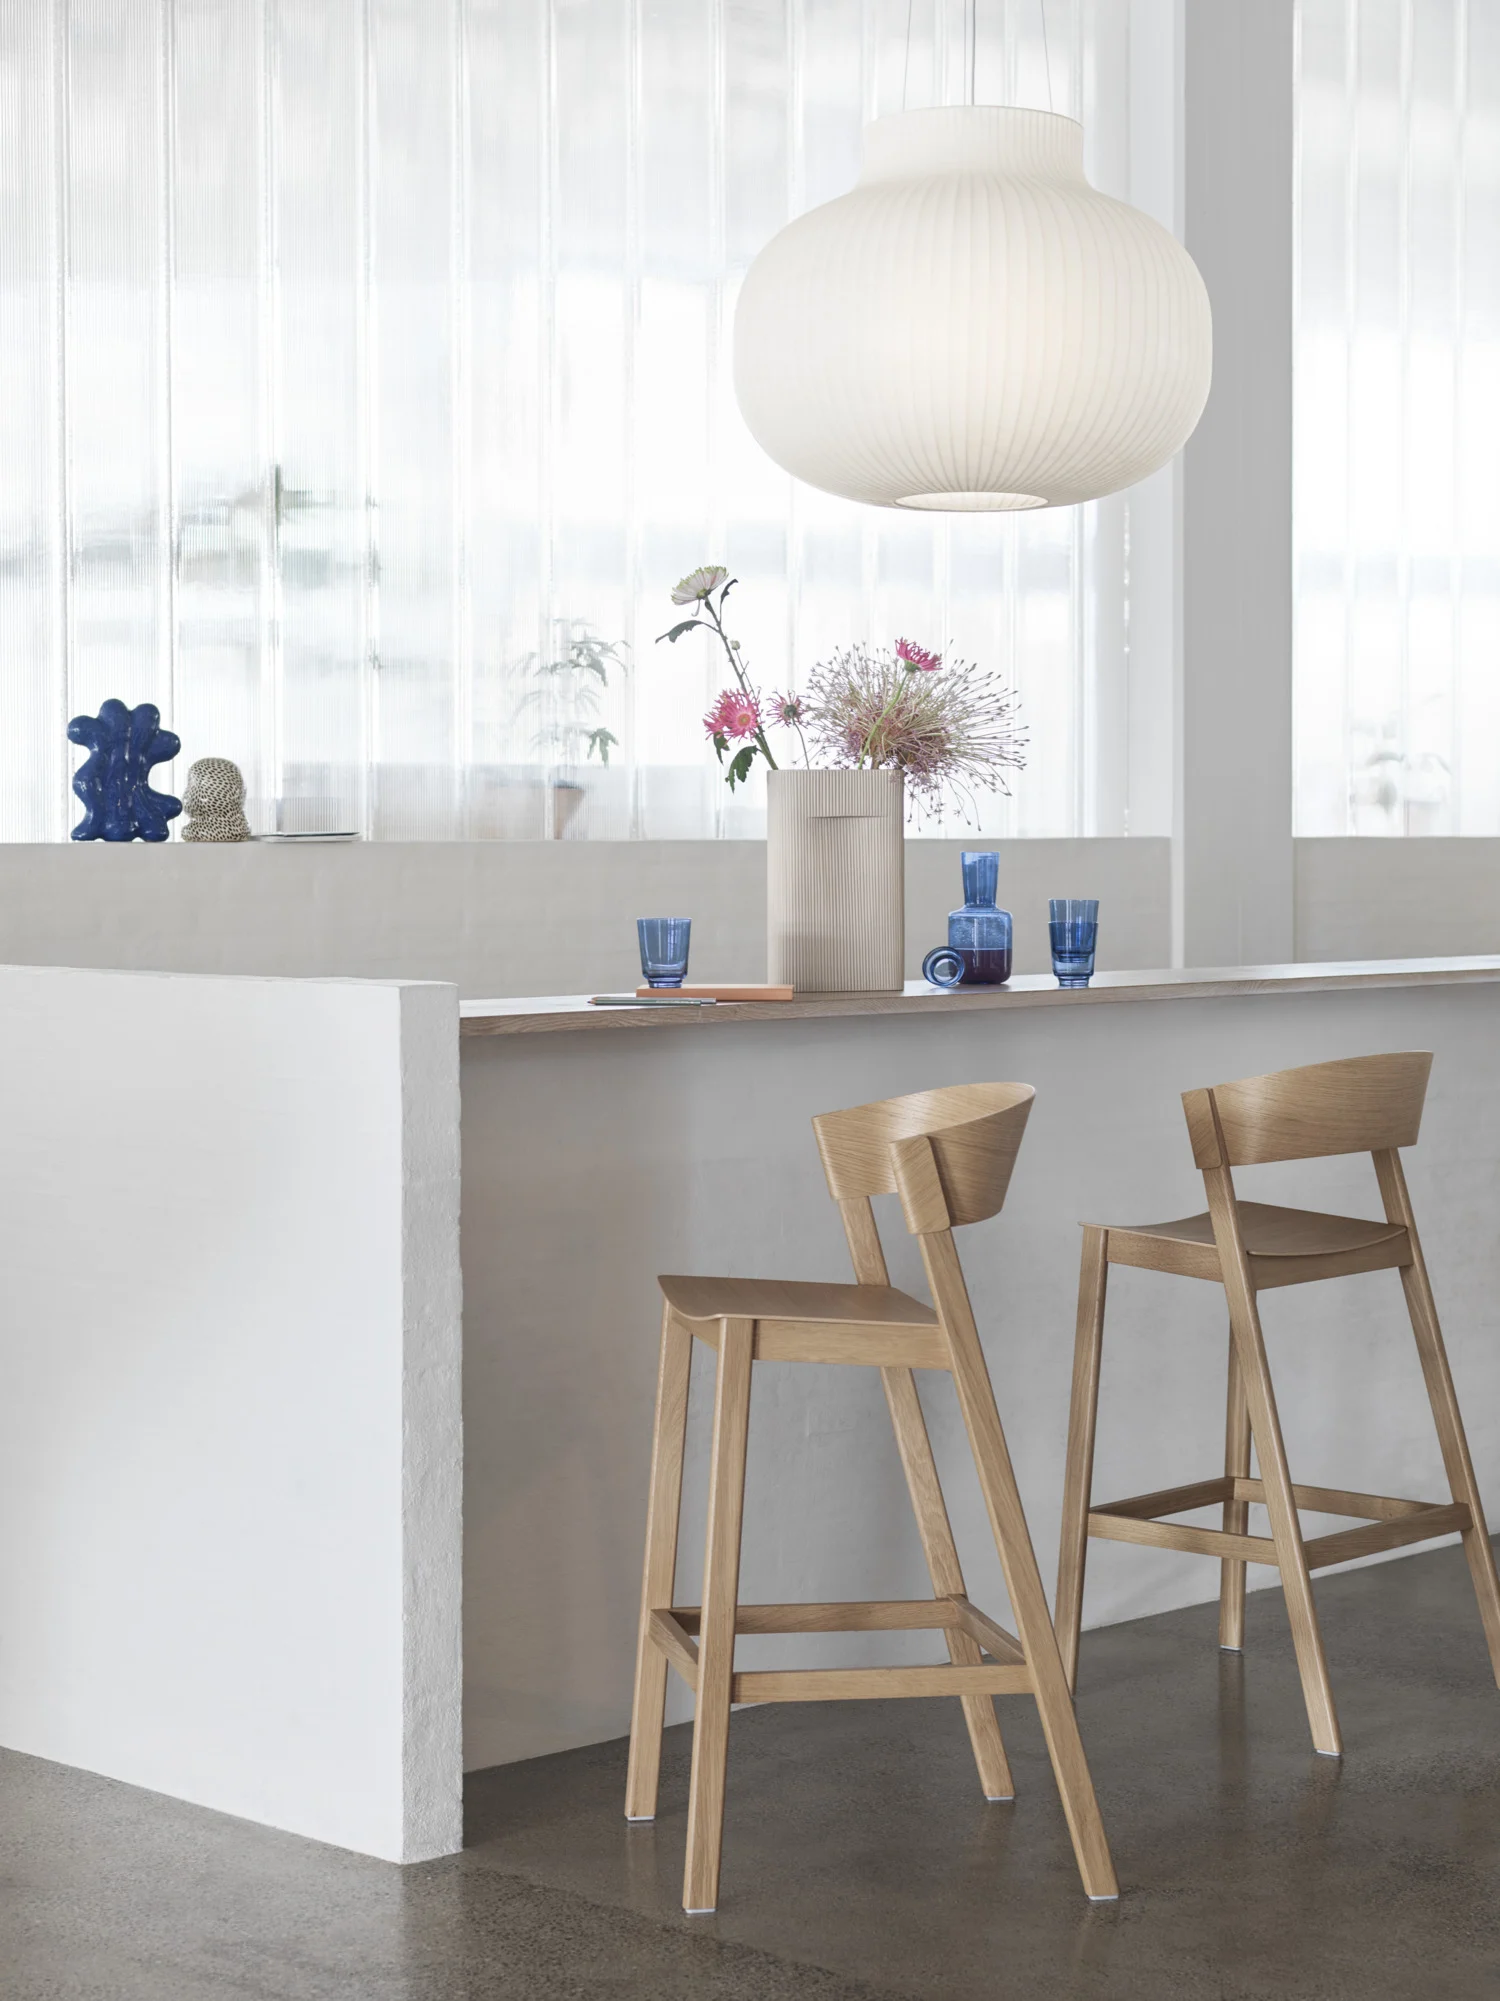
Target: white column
x=1234, y=888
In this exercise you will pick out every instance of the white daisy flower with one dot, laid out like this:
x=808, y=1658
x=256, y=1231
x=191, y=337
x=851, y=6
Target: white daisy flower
x=700, y=584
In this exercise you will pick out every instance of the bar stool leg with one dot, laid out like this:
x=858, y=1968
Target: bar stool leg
x=660, y=1570
x=928, y=1506
x=1236, y=1513
x=1286, y=1530
x=1455, y=1445
x=1270, y=1451
x=1083, y=1417
x=1023, y=1581
x=946, y=1572
x=721, y=1579
x=1444, y=1400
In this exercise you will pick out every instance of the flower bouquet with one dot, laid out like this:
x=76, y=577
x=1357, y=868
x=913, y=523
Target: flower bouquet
x=950, y=731
x=875, y=729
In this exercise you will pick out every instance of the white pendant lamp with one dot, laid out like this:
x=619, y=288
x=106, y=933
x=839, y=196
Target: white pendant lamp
x=973, y=327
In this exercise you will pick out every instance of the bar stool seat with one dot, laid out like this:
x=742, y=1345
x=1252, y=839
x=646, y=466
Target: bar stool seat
x=797, y=1321
x=1307, y=1243
x=948, y=1154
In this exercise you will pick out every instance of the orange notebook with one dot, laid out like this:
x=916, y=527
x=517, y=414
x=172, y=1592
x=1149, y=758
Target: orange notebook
x=739, y=993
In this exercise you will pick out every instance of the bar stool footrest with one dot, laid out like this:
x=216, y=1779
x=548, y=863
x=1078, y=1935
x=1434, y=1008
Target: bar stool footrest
x=1113, y=1526
x=1391, y=1523
x=673, y=1630
x=872, y=1684
x=1421, y=1524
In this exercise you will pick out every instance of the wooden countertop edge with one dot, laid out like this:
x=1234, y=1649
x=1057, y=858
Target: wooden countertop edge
x=570, y=1012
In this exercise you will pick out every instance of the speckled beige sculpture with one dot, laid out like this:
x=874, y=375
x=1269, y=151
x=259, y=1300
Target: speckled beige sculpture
x=835, y=881
x=214, y=802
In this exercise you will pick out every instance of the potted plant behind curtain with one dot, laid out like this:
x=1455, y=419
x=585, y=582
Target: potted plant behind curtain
x=568, y=689
x=877, y=731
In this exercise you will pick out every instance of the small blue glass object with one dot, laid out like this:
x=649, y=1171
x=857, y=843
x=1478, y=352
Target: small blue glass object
x=664, y=949
x=1075, y=933
x=978, y=951
x=114, y=780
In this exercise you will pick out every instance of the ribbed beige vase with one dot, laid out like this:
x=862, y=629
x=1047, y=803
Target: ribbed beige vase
x=835, y=881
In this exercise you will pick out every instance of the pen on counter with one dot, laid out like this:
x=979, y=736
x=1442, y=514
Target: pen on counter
x=651, y=1000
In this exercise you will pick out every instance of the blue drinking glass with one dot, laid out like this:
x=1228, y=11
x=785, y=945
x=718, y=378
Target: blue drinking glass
x=1075, y=933
x=664, y=949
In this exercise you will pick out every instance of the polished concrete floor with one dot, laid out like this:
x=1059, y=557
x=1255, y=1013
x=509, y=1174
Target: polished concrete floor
x=859, y=1860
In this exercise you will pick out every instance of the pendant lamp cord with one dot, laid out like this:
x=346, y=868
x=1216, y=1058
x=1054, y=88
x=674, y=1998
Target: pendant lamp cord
x=971, y=38
x=1041, y=8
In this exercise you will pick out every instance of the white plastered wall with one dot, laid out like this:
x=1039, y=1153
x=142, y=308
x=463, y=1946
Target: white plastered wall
x=230, y=1443
x=1380, y=899
x=500, y=918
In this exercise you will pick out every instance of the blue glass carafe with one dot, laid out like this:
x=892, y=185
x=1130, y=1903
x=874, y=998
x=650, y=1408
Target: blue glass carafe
x=979, y=936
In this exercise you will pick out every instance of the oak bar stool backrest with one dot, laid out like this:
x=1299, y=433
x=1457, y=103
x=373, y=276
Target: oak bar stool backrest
x=1362, y=1104
x=948, y=1153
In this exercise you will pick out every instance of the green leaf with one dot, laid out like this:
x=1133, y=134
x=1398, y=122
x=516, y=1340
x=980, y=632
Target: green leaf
x=739, y=767
x=687, y=625
x=603, y=741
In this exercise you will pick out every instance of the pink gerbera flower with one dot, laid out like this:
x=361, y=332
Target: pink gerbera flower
x=916, y=659
x=789, y=709
x=735, y=714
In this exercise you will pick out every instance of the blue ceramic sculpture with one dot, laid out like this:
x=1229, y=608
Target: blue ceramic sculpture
x=114, y=783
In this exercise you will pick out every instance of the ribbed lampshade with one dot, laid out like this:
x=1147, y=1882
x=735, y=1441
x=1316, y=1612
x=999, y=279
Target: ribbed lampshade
x=974, y=326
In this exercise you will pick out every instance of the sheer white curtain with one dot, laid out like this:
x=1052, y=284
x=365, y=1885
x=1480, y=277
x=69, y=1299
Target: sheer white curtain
x=1397, y=507
x=361, y=361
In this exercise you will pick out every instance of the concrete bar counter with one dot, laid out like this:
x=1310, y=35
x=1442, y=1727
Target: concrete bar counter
x=602, y=1146
x=237, y=1475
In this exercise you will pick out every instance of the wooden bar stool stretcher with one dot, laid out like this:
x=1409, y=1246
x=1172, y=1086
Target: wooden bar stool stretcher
x=949, y=1155
x=1364, y=1104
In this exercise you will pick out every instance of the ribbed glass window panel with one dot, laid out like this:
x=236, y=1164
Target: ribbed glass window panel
x=1096, y=55
x=593, y=165
x=371, y=387
x=317, y=730
x=1475, y=553
x=759, y=169
x=419, y=203
x=507, y=53
x=220, y=333
x=678, y=492
x=1397, y=536
x=117, y=428
x=34, y=755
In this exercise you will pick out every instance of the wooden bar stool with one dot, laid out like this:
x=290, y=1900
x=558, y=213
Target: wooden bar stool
x=1367, y=1104
x=949, y=1155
